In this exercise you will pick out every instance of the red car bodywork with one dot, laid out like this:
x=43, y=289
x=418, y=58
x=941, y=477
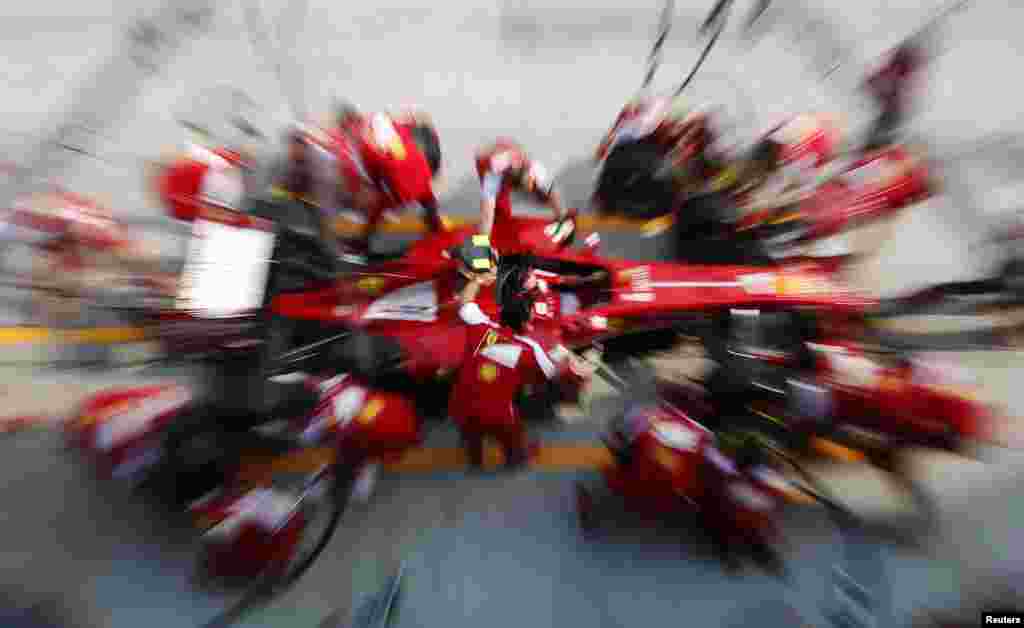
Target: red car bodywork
x=180, y=182
x=915, y=403
x=257, y=547
x=365, y=424
x=120, y=429
x=637, y=296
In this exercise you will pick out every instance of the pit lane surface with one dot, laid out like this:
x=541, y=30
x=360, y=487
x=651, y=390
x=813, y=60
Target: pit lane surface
x=482, y=550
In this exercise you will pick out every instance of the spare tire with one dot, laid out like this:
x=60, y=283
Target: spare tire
x=429, y=143
x=628, y=184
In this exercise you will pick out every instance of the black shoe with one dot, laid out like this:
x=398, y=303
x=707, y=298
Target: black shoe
x=475, y=455
x=731, y=564
x=768, y=559
x=726, y=555
x=521, y=459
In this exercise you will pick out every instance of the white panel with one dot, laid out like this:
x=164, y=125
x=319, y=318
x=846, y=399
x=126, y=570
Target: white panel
x=417, y=302
x=226, y=270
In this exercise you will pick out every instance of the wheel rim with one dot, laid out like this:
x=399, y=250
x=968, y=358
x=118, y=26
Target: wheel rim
x=333, y=490
x=315, y=537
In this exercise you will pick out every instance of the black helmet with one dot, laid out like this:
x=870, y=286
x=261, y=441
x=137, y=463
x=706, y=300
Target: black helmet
x=344, y=110
x=476, y=255
x=767, y=154
x=515, y=300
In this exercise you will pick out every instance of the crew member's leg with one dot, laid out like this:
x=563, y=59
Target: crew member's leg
x=516, y=444
x=473, y=445
x=714, y=517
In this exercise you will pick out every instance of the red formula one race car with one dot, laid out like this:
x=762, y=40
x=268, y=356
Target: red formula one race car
x=391, y=332
x=592, y=299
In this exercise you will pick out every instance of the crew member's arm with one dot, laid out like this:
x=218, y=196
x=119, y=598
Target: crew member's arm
x=543, y=187
x=554, y=201
x=472, y=289
x=489, y=190
x=561, y=367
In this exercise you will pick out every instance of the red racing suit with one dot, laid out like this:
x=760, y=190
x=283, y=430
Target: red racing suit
x=383, y=168
x=201, y=176
x=494, y=164
x=497, y=366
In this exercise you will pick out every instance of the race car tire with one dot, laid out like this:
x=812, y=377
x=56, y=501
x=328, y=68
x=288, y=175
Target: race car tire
x=628, y=185
x=269, y=585
x=192, y=462
x=429, y=143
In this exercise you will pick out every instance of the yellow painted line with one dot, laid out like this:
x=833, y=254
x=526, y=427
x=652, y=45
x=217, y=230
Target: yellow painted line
x=411, y=224
x=24, y=335
x=551, y=457
x=837, y=451
x=100, y=335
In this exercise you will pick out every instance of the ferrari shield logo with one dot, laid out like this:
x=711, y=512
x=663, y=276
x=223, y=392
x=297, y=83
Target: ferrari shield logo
x=488, y=373
x=371, y=411
x=371, y=285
